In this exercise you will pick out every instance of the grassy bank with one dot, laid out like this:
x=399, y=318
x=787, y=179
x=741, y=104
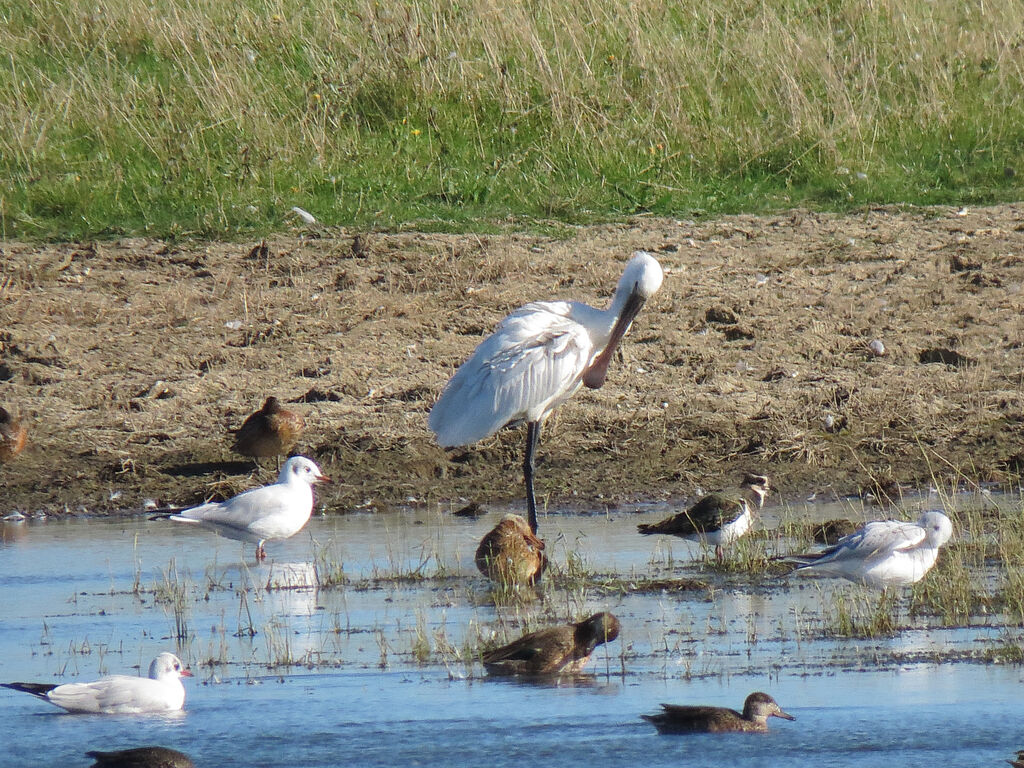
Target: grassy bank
x=169, y=117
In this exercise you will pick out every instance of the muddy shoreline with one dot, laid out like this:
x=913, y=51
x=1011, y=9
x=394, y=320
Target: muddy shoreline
x=131, y=361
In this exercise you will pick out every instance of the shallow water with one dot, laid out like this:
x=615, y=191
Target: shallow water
x=377, y=671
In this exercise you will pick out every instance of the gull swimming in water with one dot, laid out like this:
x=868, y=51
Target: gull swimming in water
x=162, y=691
x=676, y=718
x=275, y=511
x=534, y=361
x=883, y=553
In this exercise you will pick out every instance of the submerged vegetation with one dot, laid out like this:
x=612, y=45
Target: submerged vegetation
x=686, y=614
x=177, y=117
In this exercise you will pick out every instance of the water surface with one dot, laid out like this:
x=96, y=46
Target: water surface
x=378, y=669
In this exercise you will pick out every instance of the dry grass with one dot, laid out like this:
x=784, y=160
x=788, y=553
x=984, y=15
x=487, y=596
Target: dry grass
x=183, y=116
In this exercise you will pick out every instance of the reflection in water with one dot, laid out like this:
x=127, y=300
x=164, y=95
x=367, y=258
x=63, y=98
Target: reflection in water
x=361, y=636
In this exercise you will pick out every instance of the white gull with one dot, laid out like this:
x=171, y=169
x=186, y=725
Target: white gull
x=883, y=553
x=162, y=691
x=275, y=511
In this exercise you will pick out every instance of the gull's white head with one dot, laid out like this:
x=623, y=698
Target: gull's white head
x=938, y=529
x=167, y=666
x=302, y=469
x=642, y=276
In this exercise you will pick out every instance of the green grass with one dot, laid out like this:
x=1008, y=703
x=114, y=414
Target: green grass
x=181, y=118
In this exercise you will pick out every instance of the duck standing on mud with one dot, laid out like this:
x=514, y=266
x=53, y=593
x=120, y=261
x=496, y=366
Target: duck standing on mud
x=13, y=436
x=534, y=361
x=270, y=431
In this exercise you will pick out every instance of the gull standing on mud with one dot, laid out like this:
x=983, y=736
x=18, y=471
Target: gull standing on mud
x=162, y=691
x=883, y=553
x=534, y=361
x=275, y=511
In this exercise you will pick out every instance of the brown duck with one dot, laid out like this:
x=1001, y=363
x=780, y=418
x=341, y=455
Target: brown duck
x=758, y=707
x=562, y=650
x=270, y=431
x=141, y=757
x=13, y=436
x=718, y=518
x=511, y=554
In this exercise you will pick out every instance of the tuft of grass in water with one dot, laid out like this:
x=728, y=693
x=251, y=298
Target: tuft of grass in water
x=1009, y=549
x=174, y=590
x=329, y=572
x=864, y=614
x=384, y=646
x=246, y=629
x=216, y=118
x=750, y=555
x=421, y=647
x=1007, y=651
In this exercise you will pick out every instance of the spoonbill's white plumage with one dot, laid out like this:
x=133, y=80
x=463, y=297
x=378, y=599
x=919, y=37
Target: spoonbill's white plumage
x=275, y=511
x=534, y=361
x=883, y=553
x=162, y=691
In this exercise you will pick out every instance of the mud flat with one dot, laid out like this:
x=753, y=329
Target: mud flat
x=131, y=360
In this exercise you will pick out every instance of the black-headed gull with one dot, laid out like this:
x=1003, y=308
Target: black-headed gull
x=275, y=511
x=141, y=757
x=676, y=718
x=162, y=691
x=883, y=553
x=719, y=518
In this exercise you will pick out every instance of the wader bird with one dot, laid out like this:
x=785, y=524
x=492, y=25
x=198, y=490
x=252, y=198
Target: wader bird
x=534, y=361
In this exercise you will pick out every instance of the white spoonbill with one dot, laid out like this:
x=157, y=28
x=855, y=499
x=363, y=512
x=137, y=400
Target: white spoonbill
x=162, y=691
x=883, y=553
x=534, y=361
x=275, y=511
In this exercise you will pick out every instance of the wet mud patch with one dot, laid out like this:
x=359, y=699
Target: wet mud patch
x=130, y=361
